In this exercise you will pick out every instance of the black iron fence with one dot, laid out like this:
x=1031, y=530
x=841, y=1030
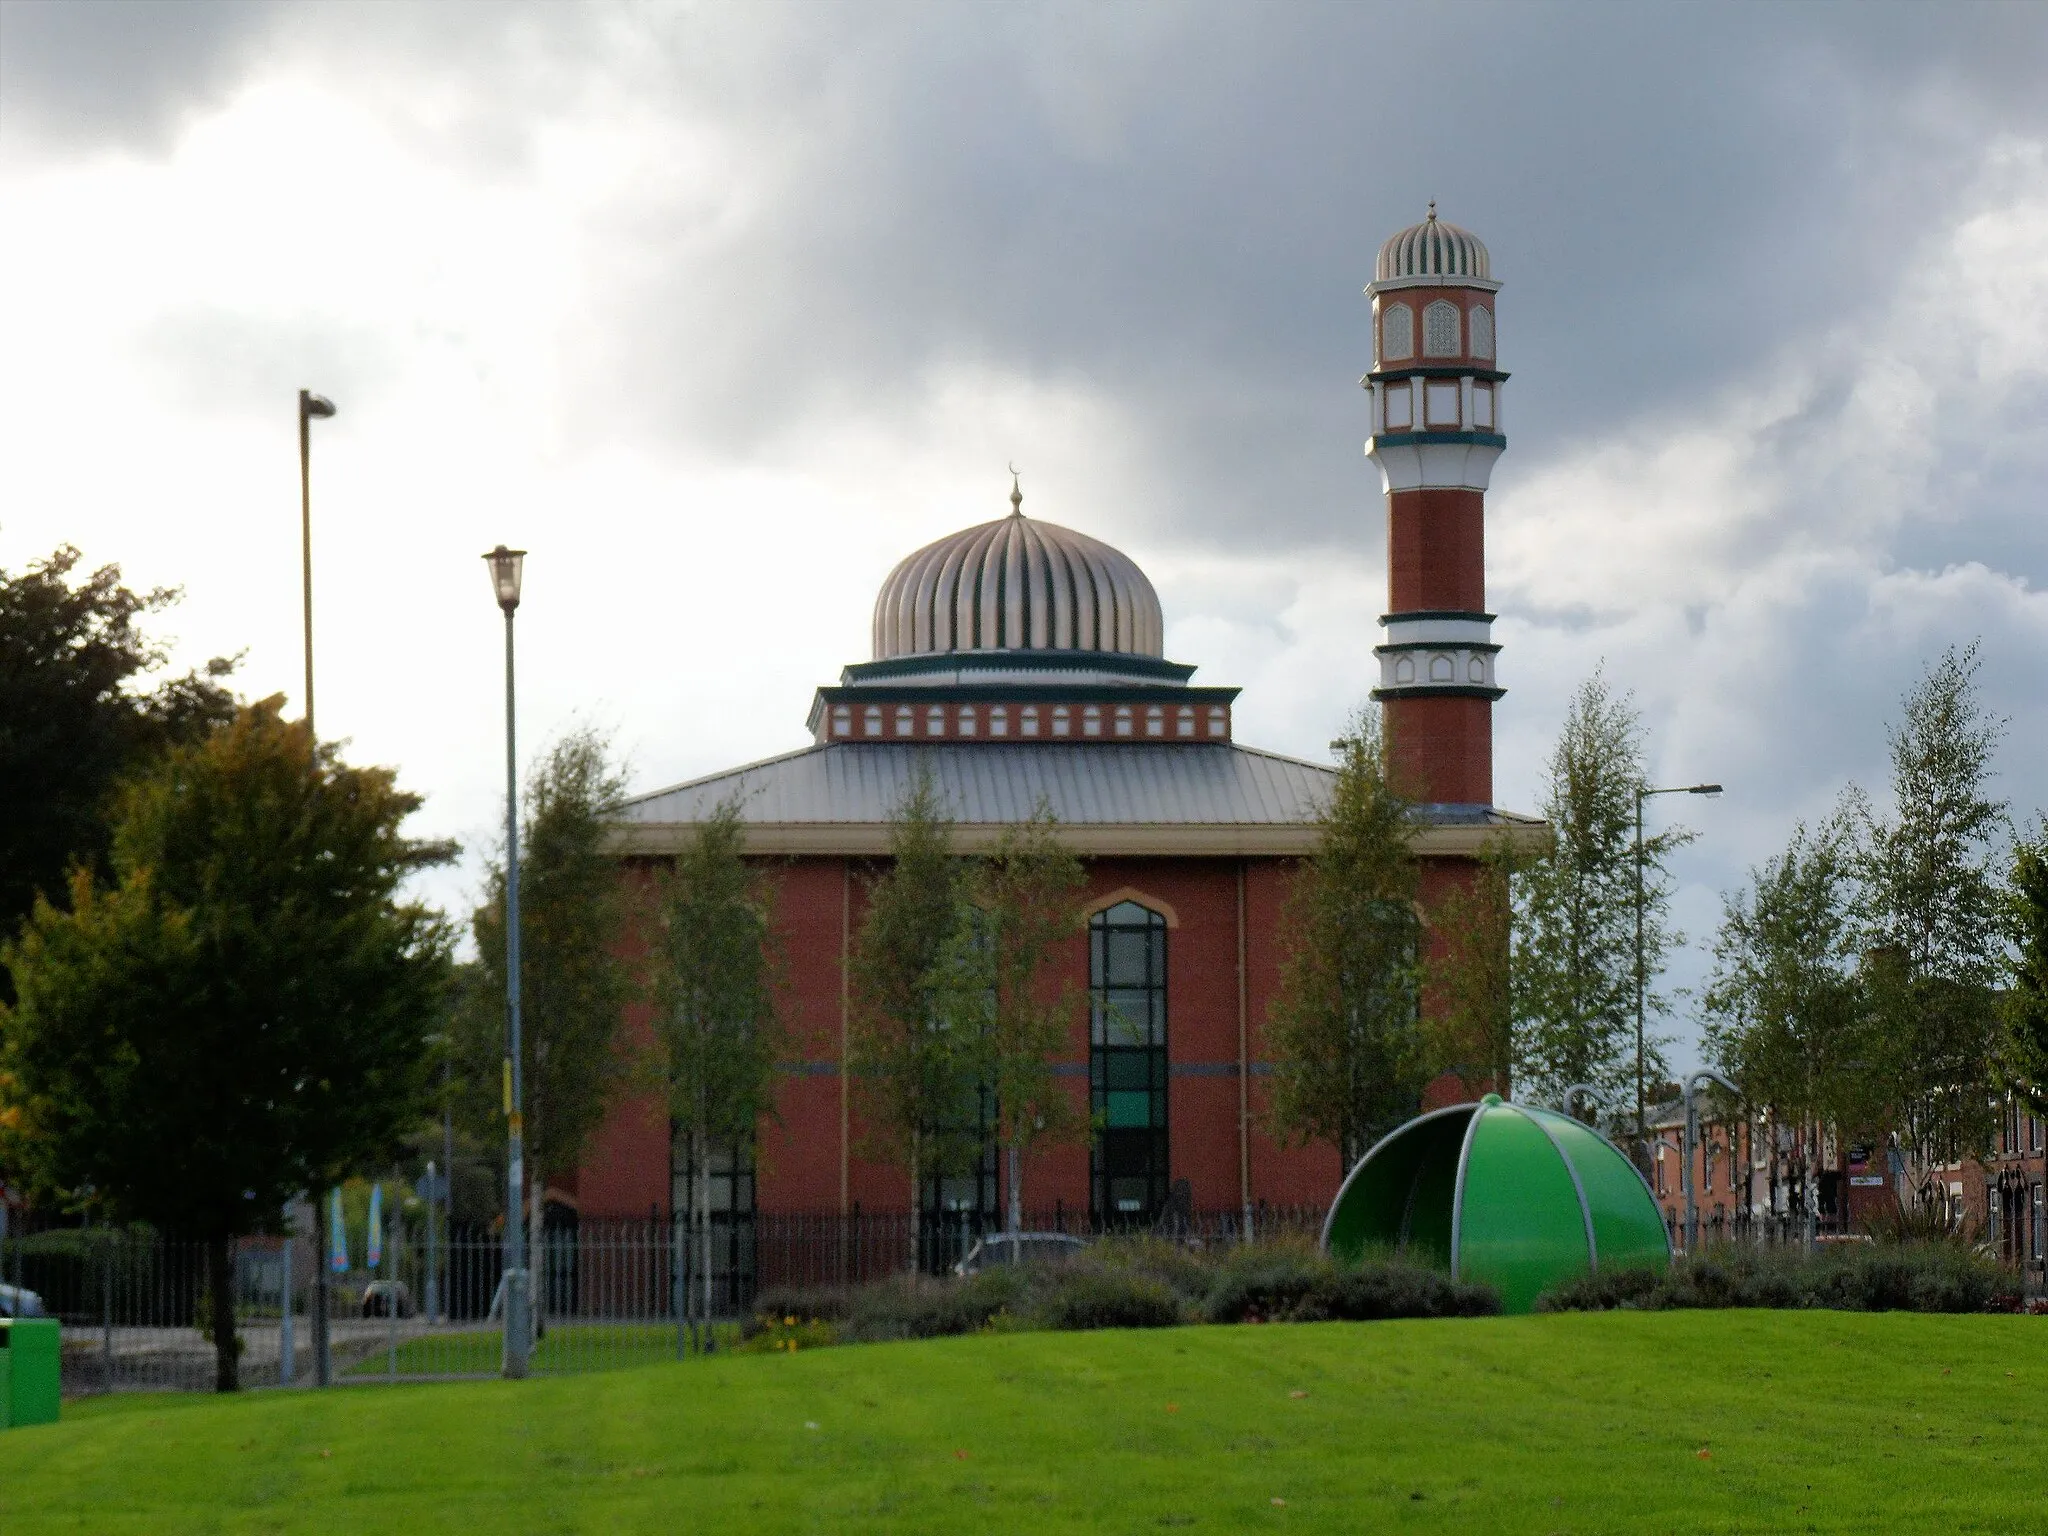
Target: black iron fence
x=135, y=1309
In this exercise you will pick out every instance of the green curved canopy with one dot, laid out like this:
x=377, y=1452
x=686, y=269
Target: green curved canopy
x=1514, y=1196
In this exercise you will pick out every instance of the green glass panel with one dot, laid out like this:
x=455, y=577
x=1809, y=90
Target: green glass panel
x=1130, y=1069
x=1521, y=1229
x=1627, y=1230
x=1129, y=1111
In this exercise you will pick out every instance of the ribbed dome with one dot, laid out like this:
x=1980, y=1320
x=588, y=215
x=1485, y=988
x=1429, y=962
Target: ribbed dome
x=1432, y=249
x=1016, y=584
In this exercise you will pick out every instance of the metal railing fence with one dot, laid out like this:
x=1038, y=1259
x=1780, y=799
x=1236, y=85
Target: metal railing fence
x=135, y=1312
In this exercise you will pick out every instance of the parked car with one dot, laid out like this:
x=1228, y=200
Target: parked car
x=999, y=1248
x=17, y=1301
x=380, y=1296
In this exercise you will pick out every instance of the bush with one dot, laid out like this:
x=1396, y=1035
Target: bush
x=767, y=1335
x=1264, y=1285
x=1379, y=1291
x=919, y=1307
x=1078, y=1296
x=1859, y=1277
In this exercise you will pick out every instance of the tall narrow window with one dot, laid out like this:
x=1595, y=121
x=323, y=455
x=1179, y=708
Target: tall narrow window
x=1127, y=1061
x=961, y=1203
x=1397, y=333
x=1481, y=322
x=1440, y=329
x=729, y=1183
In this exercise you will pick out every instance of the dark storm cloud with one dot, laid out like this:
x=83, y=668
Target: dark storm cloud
x=96, y=75
x=1181, y=213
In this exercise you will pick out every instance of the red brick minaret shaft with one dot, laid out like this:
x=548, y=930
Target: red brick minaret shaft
x=1435, y=434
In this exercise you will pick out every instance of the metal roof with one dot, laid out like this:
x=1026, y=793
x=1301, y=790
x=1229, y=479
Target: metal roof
x=995, y=784
x=1108, y=798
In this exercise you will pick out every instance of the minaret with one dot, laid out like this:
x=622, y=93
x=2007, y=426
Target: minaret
x=1436, y=430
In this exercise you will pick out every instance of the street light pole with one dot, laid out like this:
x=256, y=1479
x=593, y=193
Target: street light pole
x=507, y=567
x=1643, y=792
x=312, y=407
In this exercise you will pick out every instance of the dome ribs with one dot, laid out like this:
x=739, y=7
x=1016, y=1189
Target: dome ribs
x=1017, y=585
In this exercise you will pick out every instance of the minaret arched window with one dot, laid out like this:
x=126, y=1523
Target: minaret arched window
x=1127, y=1061
x=1482, y=331
x=1440, y=329
x=1397, y=333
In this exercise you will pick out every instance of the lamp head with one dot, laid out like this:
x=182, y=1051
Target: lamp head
x=314, y=405
x=1703, y=789
x=506, y=569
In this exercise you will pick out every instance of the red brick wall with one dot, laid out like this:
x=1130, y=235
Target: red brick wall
x=819, y=901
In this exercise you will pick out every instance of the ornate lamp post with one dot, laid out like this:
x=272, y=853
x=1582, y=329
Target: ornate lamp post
x=507, y=567
x=1643, y=793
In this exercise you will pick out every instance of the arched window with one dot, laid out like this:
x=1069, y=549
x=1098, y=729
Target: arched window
x=1397, y=333
x=1127, y=1061
x=1482, y=331
x=1440, y=329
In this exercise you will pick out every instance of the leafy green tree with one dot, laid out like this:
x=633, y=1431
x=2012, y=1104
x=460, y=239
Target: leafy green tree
x=575, y=977
x=1935, y=906
x=1349, y=1057
x=1787, y=1004
x=913, y=1034
x=73, y=723
x=1575, y=911
x=1024, y=897
x=1468, y=1016
x=2026, y=996
x=714, y=1000
x=244, y=1012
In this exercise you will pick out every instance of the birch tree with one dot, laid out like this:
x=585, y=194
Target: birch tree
x=1349, y=1058
x=714, y=1003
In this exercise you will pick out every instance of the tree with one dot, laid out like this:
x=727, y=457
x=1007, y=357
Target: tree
x=1023, y=897
x=912, y=1042
x=1575, y=911
x=2026, y=997
x=244, y=1012
x=575, y=980
x=714, y=1000
x=1935, y=911
x=72, y=723
x=1468, y=1021
x=1349, y=1058
x=1788, y=1009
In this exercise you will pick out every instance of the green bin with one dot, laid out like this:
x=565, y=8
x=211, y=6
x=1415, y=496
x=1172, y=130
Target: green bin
x=32, y=1351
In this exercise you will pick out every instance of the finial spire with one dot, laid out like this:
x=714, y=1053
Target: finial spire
x=1016, y=494
x=1432, y=210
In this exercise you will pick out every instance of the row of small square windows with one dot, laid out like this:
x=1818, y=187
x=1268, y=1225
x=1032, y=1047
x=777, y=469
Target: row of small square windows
x=1122, y=720
x=1440, y=331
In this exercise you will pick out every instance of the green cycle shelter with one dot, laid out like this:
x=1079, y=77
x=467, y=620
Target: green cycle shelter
x=1517, y=1197
x=30, y=1375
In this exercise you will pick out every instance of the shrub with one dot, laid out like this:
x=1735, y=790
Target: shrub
x=1188, y=1272
x=1077, y=1296
x=1860, y=1277
x=1261, y=1285
x=1378, y=1291
x=919, y=1307
x=827, y=1303
x=767, y=1335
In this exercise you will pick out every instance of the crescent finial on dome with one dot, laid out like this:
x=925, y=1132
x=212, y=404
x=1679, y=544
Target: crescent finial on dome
x=1016, y=494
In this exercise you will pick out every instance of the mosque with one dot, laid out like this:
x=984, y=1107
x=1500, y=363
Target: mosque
x=1024, y=662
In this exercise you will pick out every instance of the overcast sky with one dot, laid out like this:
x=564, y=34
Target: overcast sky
x=720, y=310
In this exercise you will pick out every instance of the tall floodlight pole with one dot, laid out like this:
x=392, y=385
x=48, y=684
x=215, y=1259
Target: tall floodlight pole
x=312, y=407
x=507, y=566
x=1643, y=792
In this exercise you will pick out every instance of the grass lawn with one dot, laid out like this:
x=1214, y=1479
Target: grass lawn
x=566, y=1347
x=1688, y=1421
